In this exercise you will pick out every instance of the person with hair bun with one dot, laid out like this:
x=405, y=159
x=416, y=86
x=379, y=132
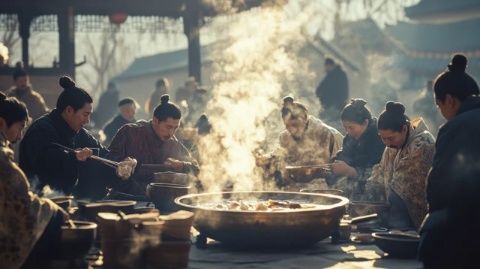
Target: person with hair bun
x=27, y=223
x=107, y=105
x=449, y=235
x=362, y=147
x=152, y=142
x=306, y=141
x=400, y=176
x=41, y=158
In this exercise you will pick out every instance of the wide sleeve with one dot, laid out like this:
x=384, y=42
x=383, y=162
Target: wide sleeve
x=24, y=216
x=374, y=188
x=409, y=179
x=345, y=153
x=53, y=165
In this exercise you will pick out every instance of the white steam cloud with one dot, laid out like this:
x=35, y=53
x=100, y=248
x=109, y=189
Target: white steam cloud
x=256, y=64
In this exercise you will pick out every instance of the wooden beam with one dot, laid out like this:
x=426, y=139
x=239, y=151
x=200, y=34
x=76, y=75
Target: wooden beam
x=24, y=21
x=191, y=25
x=66, y=31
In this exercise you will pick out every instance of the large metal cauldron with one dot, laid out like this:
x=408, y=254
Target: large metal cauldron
x=299, y=227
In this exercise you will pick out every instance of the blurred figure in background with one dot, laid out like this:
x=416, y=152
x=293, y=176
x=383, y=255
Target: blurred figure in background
x=23, y=91
x=186, y=92
x=197, y=105
x=332, y=91
x=107, y=106
x=127, y=108
x=161, y=87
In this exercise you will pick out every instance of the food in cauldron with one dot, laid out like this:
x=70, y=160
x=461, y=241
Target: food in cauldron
x=259, y=205
x=258, y=229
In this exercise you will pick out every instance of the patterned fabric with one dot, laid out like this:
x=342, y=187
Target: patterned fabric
x=404, y=171
x=23, y=215
x=318, y=146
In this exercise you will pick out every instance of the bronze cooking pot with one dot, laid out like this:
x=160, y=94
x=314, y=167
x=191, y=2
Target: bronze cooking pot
x=297, y=227
x=163, y=195
x=76, y=241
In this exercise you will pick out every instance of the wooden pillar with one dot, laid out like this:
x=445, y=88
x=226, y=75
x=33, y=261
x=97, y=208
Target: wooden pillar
x=191, y=25
x=24, y=32
x=66, y=36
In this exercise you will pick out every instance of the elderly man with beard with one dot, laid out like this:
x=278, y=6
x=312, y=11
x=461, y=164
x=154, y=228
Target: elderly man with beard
x=306, y=141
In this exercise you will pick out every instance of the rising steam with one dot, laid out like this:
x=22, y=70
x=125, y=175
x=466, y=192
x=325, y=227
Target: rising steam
x=254, y=66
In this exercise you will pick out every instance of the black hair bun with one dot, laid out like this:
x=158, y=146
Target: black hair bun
x=358, y=103
x=164, y=99
x=287, y=100
x=66, y=82
x=2, y=96
x=458, y=63
x=394, y=107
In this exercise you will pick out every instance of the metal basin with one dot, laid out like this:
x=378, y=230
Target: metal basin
x=164, y=194
x=298, y=227
x=397, y=245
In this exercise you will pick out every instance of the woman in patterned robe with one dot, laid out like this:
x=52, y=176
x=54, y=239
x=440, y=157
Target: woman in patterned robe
x=400, y=177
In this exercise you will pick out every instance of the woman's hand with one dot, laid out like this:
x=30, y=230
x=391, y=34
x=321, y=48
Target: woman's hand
x=342, y=168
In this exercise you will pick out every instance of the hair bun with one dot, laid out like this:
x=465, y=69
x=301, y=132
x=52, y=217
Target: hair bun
x=458, y=63
x=2, y=96
x=66, y=82
x=164, y=99
x=394, y=107
x=358, y=102
x=287, y=100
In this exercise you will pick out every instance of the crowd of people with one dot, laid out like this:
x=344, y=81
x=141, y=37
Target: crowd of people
x=430, y=186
